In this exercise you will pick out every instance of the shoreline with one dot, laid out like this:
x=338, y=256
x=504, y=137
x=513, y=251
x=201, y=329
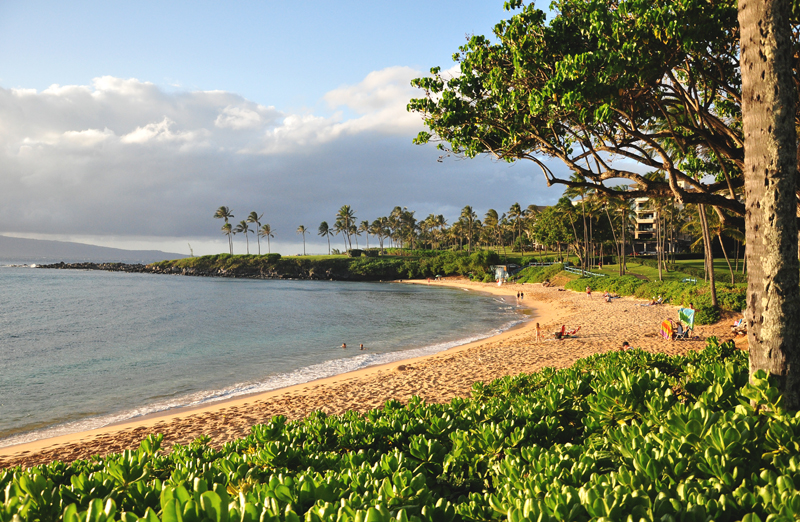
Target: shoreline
x=434, y=378
x=24, y=451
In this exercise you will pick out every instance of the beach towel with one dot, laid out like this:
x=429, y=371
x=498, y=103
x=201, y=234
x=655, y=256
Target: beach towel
x=686, y=316
x=666, y=330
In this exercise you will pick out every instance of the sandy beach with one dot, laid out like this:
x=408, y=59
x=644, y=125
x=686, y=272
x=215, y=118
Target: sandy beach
x=435, y=378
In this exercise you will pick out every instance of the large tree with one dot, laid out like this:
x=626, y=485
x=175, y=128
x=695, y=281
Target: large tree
x=659, y=85
x=770, y=172
x=655, y=84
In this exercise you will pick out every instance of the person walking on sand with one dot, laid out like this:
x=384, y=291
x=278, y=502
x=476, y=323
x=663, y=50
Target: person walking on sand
x=522, y=295
x=538, y=336
x=589, y=291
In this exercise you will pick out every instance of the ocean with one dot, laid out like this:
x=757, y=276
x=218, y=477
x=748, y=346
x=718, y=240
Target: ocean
x=84, y=349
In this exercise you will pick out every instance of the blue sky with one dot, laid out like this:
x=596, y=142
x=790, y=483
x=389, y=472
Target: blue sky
x=122, y=117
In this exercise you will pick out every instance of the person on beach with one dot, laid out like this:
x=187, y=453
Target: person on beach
x=517, y=296
x=538, y=335
x=522, y=295
x=344, y=345
x=625, y=346
x=589, y=291
x=361, y=346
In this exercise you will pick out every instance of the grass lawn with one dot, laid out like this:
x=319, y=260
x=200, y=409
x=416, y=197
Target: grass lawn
x=636, y=269
x=721, y=271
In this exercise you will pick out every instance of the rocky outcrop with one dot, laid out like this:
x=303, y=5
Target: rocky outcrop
x=287, y=272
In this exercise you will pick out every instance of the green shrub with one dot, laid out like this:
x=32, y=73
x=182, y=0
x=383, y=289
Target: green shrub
x=729, y=297
x=706, y=314
x=619, y=436
x=538, y=274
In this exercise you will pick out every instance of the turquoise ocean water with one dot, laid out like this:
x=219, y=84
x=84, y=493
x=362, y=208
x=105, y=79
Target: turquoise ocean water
x=84, y=349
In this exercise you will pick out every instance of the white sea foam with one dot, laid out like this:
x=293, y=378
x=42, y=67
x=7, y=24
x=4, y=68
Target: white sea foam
x=299, y=376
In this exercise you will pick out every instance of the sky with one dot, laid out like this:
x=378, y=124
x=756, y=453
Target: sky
x=128, y=124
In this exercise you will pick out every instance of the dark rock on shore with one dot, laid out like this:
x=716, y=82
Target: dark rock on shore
x=249, y=273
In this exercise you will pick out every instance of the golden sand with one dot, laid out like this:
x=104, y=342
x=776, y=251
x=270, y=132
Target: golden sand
x=435, y=378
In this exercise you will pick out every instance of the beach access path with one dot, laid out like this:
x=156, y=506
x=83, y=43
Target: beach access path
x=434, y=378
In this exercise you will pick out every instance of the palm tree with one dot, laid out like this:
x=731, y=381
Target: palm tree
x=266, y=231
x=228, y=230
x=243, y=228
x=325, y=231
x=226, y=214
x=355, y=233
x=376, y=229
x=699, y=229
x=255, y=218
x=582, y=191
x=302, y=230
x=364, y=227
x=469, y=216
x=517, y=214
x=344, y=221
x=338, y=228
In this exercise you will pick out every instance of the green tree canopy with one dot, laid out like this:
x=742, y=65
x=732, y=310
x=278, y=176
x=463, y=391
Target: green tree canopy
x=656, y=84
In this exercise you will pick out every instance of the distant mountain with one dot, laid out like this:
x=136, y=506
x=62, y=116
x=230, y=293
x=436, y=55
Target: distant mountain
x=19, y=250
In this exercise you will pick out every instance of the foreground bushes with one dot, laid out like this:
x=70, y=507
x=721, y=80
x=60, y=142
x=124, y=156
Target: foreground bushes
x=632, y=435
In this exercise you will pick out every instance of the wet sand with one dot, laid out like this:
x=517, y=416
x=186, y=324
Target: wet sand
x=435, y=378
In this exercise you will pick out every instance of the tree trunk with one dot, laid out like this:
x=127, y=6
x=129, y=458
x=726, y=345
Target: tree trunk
x=724, y=253
x=709, y=255
x=624, y=266
x=585, y=236
x=770, y=171
x=659, y=253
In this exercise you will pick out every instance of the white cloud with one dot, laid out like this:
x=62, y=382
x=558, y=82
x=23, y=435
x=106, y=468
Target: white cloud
x=123, y=157
x=88, y=137
x=238, y=118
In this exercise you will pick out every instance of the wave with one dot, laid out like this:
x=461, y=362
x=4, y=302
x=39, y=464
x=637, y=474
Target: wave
x=275, y=382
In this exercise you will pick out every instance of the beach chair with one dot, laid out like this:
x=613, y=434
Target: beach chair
x=560, y=333
x=739, y=327
x=681, y=332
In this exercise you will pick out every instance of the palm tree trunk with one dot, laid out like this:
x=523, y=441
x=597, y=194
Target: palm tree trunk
x=659, y=253
x=623, y=267
x=328, y=237
x=724, y=253
x=709, y=256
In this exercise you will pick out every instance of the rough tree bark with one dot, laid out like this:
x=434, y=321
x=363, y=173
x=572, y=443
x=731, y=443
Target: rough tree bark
x=768, y=105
